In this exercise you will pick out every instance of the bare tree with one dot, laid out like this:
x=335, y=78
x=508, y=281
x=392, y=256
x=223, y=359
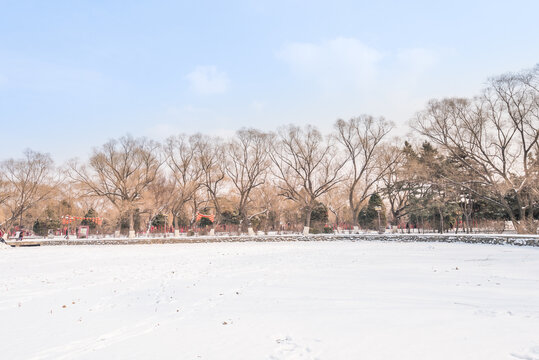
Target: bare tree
x=268, y=205
x=306, y=166
x=336, y=202
x=397, y=182
x=187, y=174
x=199, y=201
x=247, y=166
x=26, y=183
x=121, y=170
x=494, y=137
x=4, y=191
x=157, y=198
x=210, y=157
x=362, y=139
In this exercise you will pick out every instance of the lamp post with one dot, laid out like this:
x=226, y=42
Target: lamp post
x=466, y=203
x=378, y=209
x=166, y=225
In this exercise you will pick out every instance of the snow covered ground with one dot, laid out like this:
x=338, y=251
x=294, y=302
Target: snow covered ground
x=278, y=300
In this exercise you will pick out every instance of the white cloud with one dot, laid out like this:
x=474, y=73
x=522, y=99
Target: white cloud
x=163, y=130
x=222, y=133
x=344, y=77
x=208, y=80
x=418, y=58
x=258, y=105
x=333, y=63
x=35, y=75
x=188, y=119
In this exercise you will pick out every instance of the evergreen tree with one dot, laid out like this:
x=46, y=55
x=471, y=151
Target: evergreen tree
x=159, y=220
x=319, y=213
x=368, y=216
x=90, y=214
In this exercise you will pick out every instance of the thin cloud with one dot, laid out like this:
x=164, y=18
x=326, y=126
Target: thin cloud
x=333, y=62
x=346, y=77
x=208, y=80
x=418, y=58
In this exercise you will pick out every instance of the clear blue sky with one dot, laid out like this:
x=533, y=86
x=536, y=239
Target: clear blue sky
x=75, y=73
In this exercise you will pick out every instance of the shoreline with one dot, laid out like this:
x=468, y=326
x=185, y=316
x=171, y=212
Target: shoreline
x=494, y=239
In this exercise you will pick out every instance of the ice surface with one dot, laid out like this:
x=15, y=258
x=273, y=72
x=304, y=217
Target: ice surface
x=278, y=300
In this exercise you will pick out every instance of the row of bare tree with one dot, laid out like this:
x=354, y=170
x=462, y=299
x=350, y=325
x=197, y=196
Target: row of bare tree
x=487, y=148
x=188, y=173
x=494, y=138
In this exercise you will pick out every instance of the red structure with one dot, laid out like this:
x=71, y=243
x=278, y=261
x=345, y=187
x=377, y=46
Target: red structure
x=68, y=219
x=209, y=217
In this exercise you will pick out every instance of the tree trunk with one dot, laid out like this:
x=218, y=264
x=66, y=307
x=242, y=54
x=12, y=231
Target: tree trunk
x=175, y=224
x=217, y=218
x=441, y=221
x=354, y=210
x=150, y=219
x=245, y=223
x=119, y=230
x=131, y=224
x=131, y=221
x=308, y=213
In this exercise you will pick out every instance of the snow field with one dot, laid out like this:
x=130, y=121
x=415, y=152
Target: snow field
x=278, y=300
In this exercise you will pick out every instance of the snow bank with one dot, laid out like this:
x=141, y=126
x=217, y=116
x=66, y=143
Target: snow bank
x=271, y=300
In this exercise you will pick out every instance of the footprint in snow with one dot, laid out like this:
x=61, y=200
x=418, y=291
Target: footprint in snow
x=531, y=354
x=287, y=348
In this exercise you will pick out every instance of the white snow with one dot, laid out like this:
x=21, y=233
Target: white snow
x=277, y=300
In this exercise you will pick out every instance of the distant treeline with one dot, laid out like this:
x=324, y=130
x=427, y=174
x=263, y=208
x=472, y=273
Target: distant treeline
x=473, y=159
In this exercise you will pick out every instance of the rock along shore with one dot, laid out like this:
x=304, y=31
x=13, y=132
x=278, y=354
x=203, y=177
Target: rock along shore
x=510, y=239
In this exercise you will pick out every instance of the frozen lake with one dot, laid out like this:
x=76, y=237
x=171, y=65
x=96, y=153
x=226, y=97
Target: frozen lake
x=277, y=300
